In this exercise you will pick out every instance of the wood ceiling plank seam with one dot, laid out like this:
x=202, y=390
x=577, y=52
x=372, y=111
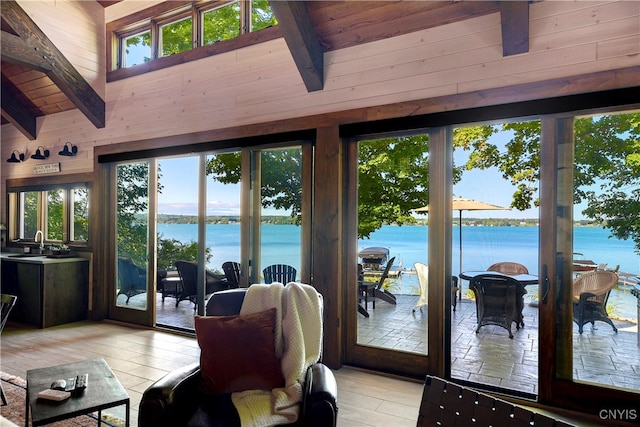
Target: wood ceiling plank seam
x=430, y=52
x=446, y=32
x=347, y=34
x=620, y=47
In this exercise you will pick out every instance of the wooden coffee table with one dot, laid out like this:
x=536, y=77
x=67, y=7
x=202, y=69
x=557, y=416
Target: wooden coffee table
x=103, y=391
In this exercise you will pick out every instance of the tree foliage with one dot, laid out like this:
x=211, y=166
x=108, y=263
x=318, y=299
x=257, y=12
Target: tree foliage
x=220, y=23
x=393, y=179
x=171, y=250
x=133, y=223
x=281, y=177
x=132, y=206
x=393, y=172
x=606, y=167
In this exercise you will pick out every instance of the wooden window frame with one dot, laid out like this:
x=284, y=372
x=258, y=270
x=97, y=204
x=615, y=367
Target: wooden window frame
x=66, y=183
x=165, y=13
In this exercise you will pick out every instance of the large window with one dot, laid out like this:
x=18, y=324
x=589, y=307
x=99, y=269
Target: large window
x=169, y=32
x=61, y=212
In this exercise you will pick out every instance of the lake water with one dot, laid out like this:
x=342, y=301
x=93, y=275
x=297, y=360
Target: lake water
x=481, y=247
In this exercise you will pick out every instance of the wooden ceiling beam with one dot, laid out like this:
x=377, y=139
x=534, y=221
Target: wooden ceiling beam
x=17, y=114
x=514, y=16
x=16, y=51
x=298, y=32
x=62, y=72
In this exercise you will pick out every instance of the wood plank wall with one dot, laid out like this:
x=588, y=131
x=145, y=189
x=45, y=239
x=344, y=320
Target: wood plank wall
x=260, y=84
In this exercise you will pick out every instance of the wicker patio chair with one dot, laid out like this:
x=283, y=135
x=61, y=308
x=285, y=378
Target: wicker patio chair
x=590, y=295
x=499, y=301
x=508, y=267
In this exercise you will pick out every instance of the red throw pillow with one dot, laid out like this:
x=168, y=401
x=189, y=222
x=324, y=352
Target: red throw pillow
x=238, y=352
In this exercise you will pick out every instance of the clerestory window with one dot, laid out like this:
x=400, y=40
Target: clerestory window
x=161, y=32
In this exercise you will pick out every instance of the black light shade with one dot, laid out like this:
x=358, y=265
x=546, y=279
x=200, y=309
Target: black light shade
x=69, y=152
x=14, y=158
x=40, y=155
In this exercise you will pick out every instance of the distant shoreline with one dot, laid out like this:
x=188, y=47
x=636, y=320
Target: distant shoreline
x=287, y=220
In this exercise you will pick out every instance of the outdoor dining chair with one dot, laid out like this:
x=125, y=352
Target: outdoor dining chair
x=590, y=295
x=499, y=301
x=508, y=267
x=282, y=273
x=188, y=272
x=232, y=273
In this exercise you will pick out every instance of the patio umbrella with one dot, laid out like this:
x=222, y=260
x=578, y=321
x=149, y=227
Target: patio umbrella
x=461, y=204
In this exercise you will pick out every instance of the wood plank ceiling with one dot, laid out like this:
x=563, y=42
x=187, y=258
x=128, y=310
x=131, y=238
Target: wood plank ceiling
x=37, y=85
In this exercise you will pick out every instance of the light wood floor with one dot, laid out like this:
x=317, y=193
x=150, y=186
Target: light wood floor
x=138, y=357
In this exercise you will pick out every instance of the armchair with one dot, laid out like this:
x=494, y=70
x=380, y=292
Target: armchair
x=176, y=399
x=133, y=279
x=590, y=295
x=499, y=301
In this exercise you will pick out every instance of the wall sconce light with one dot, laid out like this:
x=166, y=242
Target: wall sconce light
x=40, y=155
x=69, y=150
x=16, y=159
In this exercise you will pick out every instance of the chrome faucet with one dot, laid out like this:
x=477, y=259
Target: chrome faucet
x=35, y=239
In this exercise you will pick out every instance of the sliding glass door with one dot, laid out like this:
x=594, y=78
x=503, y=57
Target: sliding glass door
x=206, y=211
x=135, y=196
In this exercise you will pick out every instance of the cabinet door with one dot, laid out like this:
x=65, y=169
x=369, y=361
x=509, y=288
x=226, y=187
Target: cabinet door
x=27, y=288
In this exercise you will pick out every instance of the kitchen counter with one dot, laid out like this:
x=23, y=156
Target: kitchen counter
x=39, y=259
x=51, y=290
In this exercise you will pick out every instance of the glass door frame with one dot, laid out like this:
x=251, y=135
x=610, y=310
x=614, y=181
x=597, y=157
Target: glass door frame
x=440, y=189
x=147, y=316
x=250, y=225
x=556, y=384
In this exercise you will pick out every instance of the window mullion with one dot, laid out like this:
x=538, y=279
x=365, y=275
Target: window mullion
x=245, y=16
x=196, y=28
x=42, y=213
x=155, y=40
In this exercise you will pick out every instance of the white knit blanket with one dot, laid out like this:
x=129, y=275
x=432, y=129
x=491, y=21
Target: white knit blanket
x=298, y=341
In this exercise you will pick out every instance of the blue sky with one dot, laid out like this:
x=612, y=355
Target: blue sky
x=180, y=180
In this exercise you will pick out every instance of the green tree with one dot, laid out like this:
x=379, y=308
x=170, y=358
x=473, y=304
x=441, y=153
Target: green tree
x=220, y=23
x=607, y=157
x=132, y=204
x=171, y=250
x=54, y=214
x=393, y=179
x=80, y=214
x=281, y=180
